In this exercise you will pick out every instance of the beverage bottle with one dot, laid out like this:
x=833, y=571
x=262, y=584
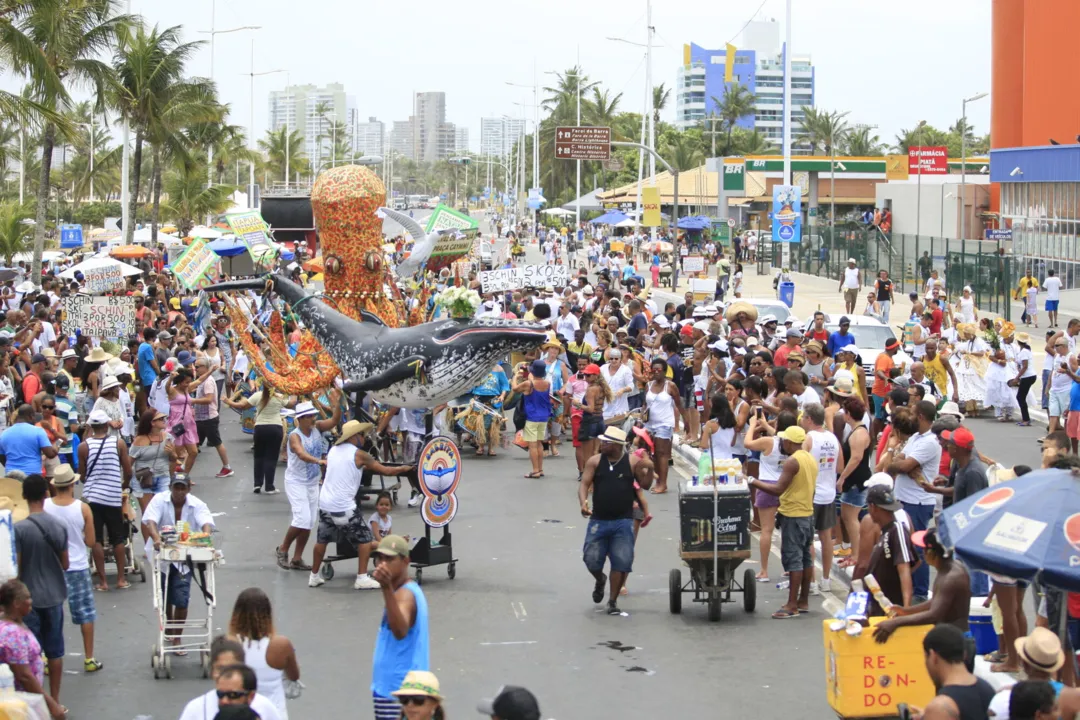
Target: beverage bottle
x=704, y=468
x=783, y=584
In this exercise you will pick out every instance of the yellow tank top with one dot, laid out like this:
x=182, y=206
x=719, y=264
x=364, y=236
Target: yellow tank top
x=798, y=499
x=936, y=373
x=860, y=387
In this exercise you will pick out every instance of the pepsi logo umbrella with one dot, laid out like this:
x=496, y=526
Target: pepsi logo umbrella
x=1021, y=528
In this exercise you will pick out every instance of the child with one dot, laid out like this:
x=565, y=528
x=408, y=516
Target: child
x=1032, y=308
x=381, y=522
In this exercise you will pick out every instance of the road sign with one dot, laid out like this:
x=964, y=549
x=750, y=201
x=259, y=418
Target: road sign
x=997, y=234
x=614, y=165
x=731, y=222
x=583, y=143
x=735, y=177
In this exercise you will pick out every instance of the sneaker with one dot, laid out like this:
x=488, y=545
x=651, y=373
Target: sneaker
x=258, y=490
x=315, y=580
x=365, y=582
x=92, y=665
x=825, y=585
x=814, y=590
x=275, y=491
x=416, y=499
x=598, y=589
x=225, y=472
x=613, y=609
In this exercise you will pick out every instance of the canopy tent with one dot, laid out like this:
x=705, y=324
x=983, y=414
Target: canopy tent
x=695, y=222
x=96, y=263
x=556, y=211
x=627, y=223
x=228, y=247
x=142, y=235
x=129, y=251
x=587, y=202
x=612, y=217
x=46, y=256
x=200, y=231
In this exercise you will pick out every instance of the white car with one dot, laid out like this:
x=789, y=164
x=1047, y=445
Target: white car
x=870, y=337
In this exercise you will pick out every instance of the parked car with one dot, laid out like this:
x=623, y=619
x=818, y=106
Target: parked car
x=870, y=338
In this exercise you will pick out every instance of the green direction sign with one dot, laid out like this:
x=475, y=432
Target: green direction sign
x=734, y=177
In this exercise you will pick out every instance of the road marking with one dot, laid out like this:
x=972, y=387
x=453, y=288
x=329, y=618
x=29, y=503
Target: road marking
x=511, y=642
x=519, y=610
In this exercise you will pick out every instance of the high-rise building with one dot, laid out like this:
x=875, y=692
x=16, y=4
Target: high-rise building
x=401, y=139
x=429, y=119
x=311, y=110
x=759, y=67
x=446, y=146
x=498, y=135
x=369, y=137
x=461, y=140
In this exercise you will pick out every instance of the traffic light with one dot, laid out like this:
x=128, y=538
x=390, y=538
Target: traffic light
x=460, y=161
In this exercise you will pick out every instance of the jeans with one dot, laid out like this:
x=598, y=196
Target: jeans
x=267, y=446
x=885, y=305
x=920, y=519
x=609, y=539
x=1045, y=390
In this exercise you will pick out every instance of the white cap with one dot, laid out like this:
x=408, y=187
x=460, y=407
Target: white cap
x=766, y=319
x=881, y=478
x=99, y=417
x=702, y=325
x=711, y=310
x=790, y=320
x=662, y=321
x=720, y=345
x=852, y=261
x=588, y=290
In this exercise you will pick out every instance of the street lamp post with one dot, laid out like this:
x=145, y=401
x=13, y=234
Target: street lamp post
x=832, y=176
x=674, y=210
x=918, y=201
x=963, y=158
x=251, y=126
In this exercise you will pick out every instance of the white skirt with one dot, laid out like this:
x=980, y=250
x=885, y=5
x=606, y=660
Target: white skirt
x=1000, y=395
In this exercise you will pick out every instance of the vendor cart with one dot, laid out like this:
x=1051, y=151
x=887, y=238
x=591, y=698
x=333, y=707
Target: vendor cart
x=714, y=526
x=196, y=632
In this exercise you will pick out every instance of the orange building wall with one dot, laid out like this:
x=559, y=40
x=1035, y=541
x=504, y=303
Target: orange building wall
x=1035, y=89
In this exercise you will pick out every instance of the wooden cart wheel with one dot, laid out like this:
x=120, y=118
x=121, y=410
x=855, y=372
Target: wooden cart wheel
x=451, y=570
x=675, y=591
x=749, y=591
x=714, y=604
x=419, y=576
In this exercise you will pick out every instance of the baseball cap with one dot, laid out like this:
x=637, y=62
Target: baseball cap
x=961, y=437
x=393, y=546
x=687, y=330
x=164, y=335
x=662, y=321
x=852, y=261
x=845, y=320
x=883, y=479
x=511, y=703
x=180, y=479
x=768, y=319
x=928, y=539
x=38, y=358
x=702, y=325
x=793, y=333
x=61, y=381
x=592, y=369
x=793, y=434
x=883, y=497
x=700, y=311
x=98, y=417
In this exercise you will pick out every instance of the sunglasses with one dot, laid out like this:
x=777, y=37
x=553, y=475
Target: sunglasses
x=413, y=699
x=48, y=407
x=231, y=694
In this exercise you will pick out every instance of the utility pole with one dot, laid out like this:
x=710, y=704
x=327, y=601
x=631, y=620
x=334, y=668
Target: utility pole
x=963, y=159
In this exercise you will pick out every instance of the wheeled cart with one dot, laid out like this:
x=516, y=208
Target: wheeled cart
x=196, y=632
x=714, y=540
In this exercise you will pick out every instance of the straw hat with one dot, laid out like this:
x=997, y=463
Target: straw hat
x=1041, y=649
x=842, y=387
x=419, y=683
x=98, y=355
x=740, y=307
x=1023, y=337
x=64, y=476
x=613, y=435
x=110, y=382
x=353, y=427
x=1008, y=329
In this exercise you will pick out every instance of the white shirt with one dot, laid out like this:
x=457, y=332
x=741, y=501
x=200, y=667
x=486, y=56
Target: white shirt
x=851, y=277
x=205, y=707
x=809, y=396
x=926, y=450
x=623, y=378
x=342, y=480
x=825, y=449
x=1025, y=354
x=567, y=326
x=160, y=510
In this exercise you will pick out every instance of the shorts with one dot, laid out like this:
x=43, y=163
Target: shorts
x=304, y=501
x=176, y=586
x=824, y=516
x=1072, y=424
x=1009, y=582
x=354, y=532
x=413, y=445
x=1052, y=305
x=107, y=516
x=879, y=407
x=796, y=539
x=853, y=497
x=763, y=499
x=851, y=295
x=161, y=484
x=210, y=431
x=665, y=432
x=47, y=624
x=592, y=427
x=1059, y=403
x=688, y=397
x=575, y=428
x=609, y=540
x=80, y=592
x=534, y=431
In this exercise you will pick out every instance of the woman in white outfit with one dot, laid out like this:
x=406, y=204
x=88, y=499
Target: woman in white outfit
x=965, y=307
x=665, y=408
x=760, y=438
x=303, y=471
x=271, y=656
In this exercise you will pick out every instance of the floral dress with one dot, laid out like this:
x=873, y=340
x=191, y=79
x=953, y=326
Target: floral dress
x=18, y=646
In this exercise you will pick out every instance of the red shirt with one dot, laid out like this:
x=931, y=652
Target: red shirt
x=1074, y=605
x=780, y=356
x=822, y=336
x=935, y=322
x=31, y=386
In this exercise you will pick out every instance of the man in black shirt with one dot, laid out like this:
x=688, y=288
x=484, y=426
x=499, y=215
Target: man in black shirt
x=893, y=557
x=610, y=475
x=686, y=310
x=961, y=695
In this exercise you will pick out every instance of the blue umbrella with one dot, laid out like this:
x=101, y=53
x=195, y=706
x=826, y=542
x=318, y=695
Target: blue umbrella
x=694, y=223
x=612, y=217
x=1020, y=529
x=228, y=247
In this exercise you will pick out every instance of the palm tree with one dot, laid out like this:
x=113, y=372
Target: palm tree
x=562, y=99
x=275, y=146
x=660, y=97
x=821, y=130
x=860, y=143
x=683, y=150
x=321, y=109
x=926, y=135
x=752, y=142
x=188, y=197
x=738, y=102
x=149, y=65
x=66, y=37
x=16, y=236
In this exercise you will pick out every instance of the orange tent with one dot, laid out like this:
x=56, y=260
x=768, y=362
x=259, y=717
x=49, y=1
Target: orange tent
x=130, y=251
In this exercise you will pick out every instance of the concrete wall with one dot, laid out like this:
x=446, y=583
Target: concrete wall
x=938, y=214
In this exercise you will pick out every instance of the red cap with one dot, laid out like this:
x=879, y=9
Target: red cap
x=961, y=437
x=591, y=369
x=644, y=435
x=687, y=330
x=918, y=538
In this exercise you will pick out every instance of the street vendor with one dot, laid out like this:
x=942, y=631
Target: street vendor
x=168, y=509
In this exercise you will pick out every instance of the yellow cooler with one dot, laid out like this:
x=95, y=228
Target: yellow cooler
x=864, y=679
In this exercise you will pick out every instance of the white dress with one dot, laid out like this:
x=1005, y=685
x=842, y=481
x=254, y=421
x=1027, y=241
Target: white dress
x=970, y=372
x=999, y=395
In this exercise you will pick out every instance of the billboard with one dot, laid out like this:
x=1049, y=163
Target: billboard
x=928, y=160
x=787, y=214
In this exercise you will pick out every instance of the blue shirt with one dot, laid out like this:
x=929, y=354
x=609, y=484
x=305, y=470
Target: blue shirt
x=837, y=341
x=1074, y=397
x=21, y=444
x=394, y=658
x=147, y=376
x=494, y=384
x=628, y=272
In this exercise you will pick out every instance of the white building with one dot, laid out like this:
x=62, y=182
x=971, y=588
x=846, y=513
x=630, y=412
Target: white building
x=311, y=110
x=461, y=140
x=401, y=138
x=498, y=135
x=429, y=119
x=369, y=137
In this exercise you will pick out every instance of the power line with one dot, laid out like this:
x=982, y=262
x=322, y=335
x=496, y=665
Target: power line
x=748, y=21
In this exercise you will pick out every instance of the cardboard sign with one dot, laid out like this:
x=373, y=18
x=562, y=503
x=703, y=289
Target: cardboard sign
x=516, y=278
x=102, y=279
x=693, y=264
x=195, y=262
x=253, y=230
x=103, y=317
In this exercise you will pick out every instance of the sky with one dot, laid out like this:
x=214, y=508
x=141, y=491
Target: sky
x=891, y=64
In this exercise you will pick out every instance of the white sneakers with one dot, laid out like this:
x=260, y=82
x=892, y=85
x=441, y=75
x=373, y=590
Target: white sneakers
x=365, y=582
x=814, y=590
x=416, y=499
x=315, y=580
x=825, y=585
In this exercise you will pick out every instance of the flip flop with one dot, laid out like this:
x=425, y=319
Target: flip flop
x=534, y=475
x=997, y=657
x=123, y=586
x=101, y=588
x=654, y=491
x=784, y=614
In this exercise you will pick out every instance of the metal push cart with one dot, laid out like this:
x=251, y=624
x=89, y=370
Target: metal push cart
x=714, y=540
x=197, y=633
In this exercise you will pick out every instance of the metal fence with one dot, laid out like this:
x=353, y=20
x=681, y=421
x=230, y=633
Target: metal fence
x=983, y=265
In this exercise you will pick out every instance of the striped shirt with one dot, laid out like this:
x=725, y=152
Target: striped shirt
x=104, y=481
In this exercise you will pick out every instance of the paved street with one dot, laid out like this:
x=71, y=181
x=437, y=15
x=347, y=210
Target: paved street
x=519, y=611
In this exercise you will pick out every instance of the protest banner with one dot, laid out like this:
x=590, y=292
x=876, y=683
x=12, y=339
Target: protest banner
x=193, y=265
x=693, y=264
x=516, y=278
x=102, y=279
x=253, y=230
x=103, y=317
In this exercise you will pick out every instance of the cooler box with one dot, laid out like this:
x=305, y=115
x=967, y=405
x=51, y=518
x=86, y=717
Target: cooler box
x=981, y=624
x=864, y=679
x=786, y=292
x=732, y=519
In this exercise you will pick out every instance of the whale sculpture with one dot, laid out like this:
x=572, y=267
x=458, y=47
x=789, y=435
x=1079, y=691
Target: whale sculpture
x=414, y=367
x=423, y=243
